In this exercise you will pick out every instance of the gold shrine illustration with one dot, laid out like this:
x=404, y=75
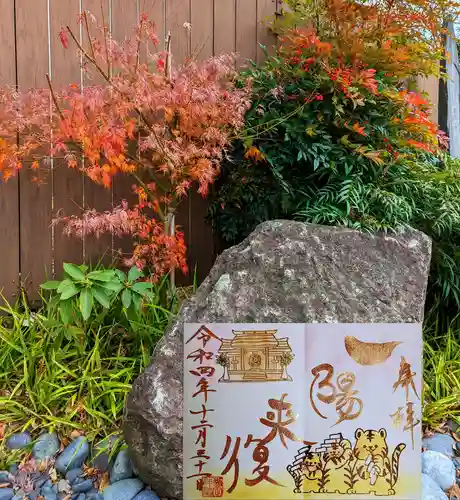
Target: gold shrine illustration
x=336, y=466
x=255, y=356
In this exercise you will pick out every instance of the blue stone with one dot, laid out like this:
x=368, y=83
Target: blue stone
x=50, y=496
x=81, y=496
x=46, y=446
x=5, y=477
x=82, y=487
x=18, y=441
x=73, y=456
x=442, y=443
x=73, y=474
x=122, y=468
x=6, y=493
x=123, y=490
x=147, y=495
x=47, y=490
x=13, y=468
x=38, y=483
x=33, y=494
x=102, y=451
x=440, y=468
x=94, y=496
x=430, y=490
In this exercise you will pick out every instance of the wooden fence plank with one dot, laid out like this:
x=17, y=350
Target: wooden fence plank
x=124, y=21
x=202, y=20
x=265, y=10
x=224, y=26
x=35, y=199
x=208, y=23
x=97, y=250
x=155, y=10
x=9, y=195
x=67, y=183
x=246, y=30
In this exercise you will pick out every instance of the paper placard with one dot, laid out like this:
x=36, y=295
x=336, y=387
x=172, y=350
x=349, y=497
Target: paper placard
x=300, y=411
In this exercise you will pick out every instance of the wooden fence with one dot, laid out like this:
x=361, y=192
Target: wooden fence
x=30, y=251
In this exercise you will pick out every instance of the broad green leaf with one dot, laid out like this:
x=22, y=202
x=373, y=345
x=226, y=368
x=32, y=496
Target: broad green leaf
x=121, y=275
x=50, y=285
x=134, y=274
x=64, y=284
x=100, y=295
x=74, y=271
x=69, y=291
x=111, y=286
x=107, y=275
x=136, y=301
x=86, y=303
x=126, y=298
x=65, y=310
x=142, y=287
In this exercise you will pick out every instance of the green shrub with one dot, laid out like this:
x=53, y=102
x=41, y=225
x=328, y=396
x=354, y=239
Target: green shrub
x=84, y=291
x=335, y=143
x=441, y=374
x=74, y=371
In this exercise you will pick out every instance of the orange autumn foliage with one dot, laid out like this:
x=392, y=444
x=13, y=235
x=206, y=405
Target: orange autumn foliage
x=166, y=127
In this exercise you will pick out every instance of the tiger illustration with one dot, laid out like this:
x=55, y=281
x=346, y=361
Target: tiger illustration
x=378, y=472
x=336, y=466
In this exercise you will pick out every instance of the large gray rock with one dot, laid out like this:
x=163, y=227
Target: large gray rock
x=284, y=272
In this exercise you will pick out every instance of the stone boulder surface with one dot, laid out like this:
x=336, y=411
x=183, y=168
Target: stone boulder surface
x=284, y=272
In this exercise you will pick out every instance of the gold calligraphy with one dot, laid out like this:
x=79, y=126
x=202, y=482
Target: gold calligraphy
x=342, y=393
x=406, y=382
x=277, y=421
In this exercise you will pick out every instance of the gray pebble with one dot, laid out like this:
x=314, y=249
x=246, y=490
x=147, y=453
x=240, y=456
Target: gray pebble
x=430, y=490
x=6, y=493
x=18, y=441
x=123, y=490
x=5, y=477
x=46, y=446
x=440, y=468
x=73, y=474
x=147, y=495
x=442, y=443
x=73, y=456
x=63, y=486
x=82, y=487
x=122, y=468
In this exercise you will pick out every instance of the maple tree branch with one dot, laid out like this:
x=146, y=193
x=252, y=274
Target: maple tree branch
x=91, y=46
x=53, y=96
x=92, y=60
x=105, y=41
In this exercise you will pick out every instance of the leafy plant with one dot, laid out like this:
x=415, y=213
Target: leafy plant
x=441, y=374
x=335, y=137
x=83, y=291
x=62, y=376
x=167, y=128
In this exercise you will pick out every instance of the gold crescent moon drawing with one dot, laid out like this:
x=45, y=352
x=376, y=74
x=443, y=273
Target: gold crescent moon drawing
x=369, y=353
